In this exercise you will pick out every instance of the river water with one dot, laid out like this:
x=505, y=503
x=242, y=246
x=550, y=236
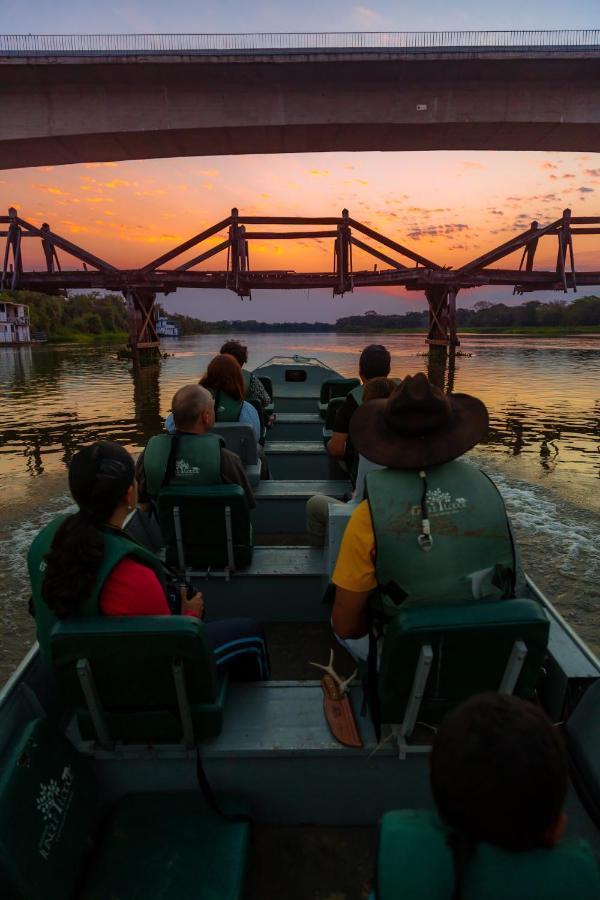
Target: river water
x=543, y=395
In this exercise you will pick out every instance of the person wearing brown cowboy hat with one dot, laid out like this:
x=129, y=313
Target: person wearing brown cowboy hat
x=432, y=529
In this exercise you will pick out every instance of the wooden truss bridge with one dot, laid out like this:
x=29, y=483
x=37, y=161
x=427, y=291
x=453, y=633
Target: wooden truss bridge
x=395, y=265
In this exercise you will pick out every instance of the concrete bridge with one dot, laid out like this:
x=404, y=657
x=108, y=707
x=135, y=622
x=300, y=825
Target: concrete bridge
x=86, y=99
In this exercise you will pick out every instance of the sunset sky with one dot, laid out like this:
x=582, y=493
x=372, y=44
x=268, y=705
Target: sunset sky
x=449, y=206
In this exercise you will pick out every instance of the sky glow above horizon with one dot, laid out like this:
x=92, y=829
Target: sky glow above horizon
x=447, y=206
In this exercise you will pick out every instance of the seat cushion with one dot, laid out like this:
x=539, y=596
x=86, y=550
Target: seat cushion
x=169, y=846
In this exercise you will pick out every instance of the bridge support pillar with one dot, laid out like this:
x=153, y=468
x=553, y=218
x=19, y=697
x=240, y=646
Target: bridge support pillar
x=143, y=338
x=442, y=316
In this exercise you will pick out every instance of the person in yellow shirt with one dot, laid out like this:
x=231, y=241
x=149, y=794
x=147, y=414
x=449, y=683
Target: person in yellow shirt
x=431, y=530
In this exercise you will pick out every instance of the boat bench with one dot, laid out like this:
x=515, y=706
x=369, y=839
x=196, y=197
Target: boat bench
x=282, y=584
x=300, y=426
x=281, y=505
x=303, y=460
x=150, y=845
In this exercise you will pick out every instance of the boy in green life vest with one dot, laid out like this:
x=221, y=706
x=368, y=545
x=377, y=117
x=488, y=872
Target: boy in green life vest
x=432, y=529
x=499, y=779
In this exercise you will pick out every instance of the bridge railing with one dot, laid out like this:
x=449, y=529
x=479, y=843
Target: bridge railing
x=117, y=44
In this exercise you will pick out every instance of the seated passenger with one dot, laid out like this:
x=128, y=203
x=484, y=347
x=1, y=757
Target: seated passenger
x=432, y=529
x=317, y=506
x=374, y=362
x=193, y=414
x=498, y=772
x=254, y=389
x=86, y=565
x=224, y=380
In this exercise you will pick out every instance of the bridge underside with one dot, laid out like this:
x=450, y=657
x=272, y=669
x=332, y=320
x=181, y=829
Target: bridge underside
x=69, y=109
x=238, y=140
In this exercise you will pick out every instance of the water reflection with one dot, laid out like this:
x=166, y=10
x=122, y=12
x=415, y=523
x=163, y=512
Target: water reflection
x=542, y=396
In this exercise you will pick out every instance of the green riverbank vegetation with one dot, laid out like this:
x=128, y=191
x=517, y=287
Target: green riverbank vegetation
x=84, y=318
x=79, y=318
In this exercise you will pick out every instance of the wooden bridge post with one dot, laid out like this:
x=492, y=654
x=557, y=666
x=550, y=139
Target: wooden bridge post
x=143, y=338
x=342, y=256
x=442, y=316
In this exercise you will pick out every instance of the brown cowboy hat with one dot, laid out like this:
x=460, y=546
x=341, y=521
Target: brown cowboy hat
x=418, y=425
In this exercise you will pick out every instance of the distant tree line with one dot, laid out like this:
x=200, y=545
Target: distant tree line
x=533, y=313
x=79, y=315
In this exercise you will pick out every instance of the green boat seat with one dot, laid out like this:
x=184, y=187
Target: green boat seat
x=582, y=730
x=335, y=387
x=435, y=656
x=58, y=842
x=240, y=438
x=414, y=862
x=330, y=414
x=146, y=679
x=206, y=527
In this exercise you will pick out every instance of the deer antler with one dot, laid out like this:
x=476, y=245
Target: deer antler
x=343, y=683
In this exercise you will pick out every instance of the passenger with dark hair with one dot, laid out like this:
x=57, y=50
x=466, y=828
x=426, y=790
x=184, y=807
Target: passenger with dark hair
x=499, y=774
x=224, y=380
x=86, y=565
x=253, y=386
x=193, y=413
x=374, y=362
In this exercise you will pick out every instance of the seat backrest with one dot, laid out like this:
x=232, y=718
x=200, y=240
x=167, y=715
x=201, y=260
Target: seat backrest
x=131, y=660
x=194, y=522
x=48, y=814
x=472, y=644
x=240, y=439
x=336, y=387
x=415, y=862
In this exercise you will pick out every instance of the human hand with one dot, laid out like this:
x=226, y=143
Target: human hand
x=193, y=605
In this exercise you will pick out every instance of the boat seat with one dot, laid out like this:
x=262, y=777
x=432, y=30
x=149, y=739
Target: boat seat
x=206, y=527
x=583, y=741
x=330, y=414
x=240, y=439
x=415, y=862
x=147, y=679
x=335, y=387
x=146, y=846
x=435, y=656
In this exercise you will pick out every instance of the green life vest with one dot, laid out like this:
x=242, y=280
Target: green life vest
x=227, y=409
x=116, y=547
x=197, y=460
x=247, y=376
x=471, y=555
